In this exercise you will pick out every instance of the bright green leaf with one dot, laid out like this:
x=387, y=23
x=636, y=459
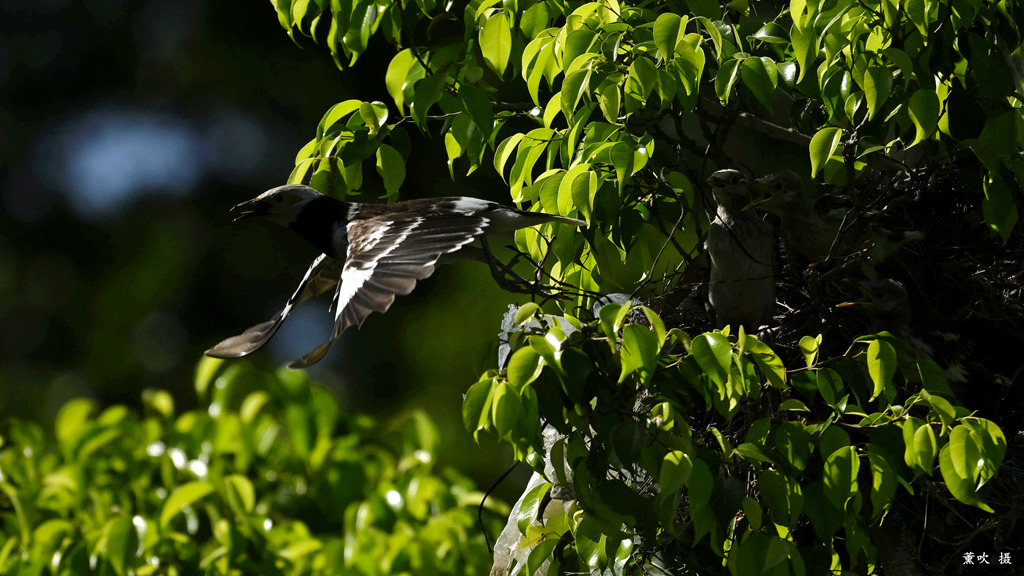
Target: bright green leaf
x=924, y=113
x=881, y=361
x=183, y=497
x=391, y=167
x=496, y=42
x=823, y=145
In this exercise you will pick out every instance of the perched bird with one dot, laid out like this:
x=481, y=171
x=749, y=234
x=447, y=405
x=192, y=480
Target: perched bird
x=742, y=250
x=372, y=252
x=813, y=237
x=806, y=233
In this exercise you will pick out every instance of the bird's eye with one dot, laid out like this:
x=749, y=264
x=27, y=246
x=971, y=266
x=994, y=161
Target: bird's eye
x=778, y=187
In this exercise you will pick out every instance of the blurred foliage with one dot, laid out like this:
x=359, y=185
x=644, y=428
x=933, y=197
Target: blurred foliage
x=268, y=476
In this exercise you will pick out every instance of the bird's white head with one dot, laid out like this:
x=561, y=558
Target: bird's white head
x=781, y=193
x=730, y=189
x=281, y=205
x=727, y=178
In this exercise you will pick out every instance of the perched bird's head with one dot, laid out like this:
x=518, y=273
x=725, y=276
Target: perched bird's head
x=730, y=189
x=781, y=193
x=280, y=205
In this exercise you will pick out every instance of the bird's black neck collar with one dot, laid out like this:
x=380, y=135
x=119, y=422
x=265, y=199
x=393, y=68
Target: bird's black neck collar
x=318, y=220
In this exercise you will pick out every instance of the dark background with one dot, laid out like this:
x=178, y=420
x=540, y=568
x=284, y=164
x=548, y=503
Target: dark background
x=127, y=130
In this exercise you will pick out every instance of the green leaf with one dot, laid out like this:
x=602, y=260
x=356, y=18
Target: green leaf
x=206, y=369
x=675, y=471
x=924, y=113
x=883, y=481
x=524, y=367
x=529, y=509
x=792, y=443
x=700, y=485
x=993, y=446
x=713, y=354
x=158, y=401
x=752, y=510
x=805, y=48
x=909, y=428
x=942, y=407
x=725, y=79
x=121, y=544
x=73, y=421
x=480, y=108
x=877, y=85
x=621, y=157
x=182, y=497
x=881, y=361
x=762, y=77
x=496, y=42
x=542, y=551
x=427, y=92
x=825, y=518
x=391, y=167
x=965, y=452
x=525, y=313
x=639, y=352
x=999, y=205
x=241, y=495
x=49, y=535
x=751, y=451
x=374, y=115
x=590, y=542
x=536, y=58
x=771, y=33
x=505, y=151
x=840, y=476
x=925, y=448
x=476, y=406
x=580, y=184
x=577, y=43
x=656, y=324
x=767, y=361
x=793, y=405
x=689, y=67
x=336, y=114
x=507, y=408
x=809, y=348
x=822, y=146
x=573, y=86
x=609, y=98
x=961, y=486
x=832, y=439
x=933, y=378
x=669, y=29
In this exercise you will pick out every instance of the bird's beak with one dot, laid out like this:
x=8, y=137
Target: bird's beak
x=254, y=207
x=867, y=302
x=766, y=191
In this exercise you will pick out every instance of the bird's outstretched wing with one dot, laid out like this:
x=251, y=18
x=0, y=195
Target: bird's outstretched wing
x=387, y=255
x=323, y=274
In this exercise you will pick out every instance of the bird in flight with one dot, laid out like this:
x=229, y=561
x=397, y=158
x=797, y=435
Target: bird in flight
x=372, y=252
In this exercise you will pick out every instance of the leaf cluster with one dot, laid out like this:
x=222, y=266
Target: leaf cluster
x=269, y=476
x=698, y=452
